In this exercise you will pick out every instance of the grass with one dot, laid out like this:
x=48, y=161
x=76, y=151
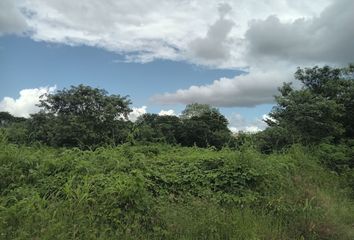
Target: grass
x=166, y=192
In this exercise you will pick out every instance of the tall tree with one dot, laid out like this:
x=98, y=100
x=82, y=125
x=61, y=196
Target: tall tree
x=203, y=126
x=196, y=110
x=81, y=116
x=155, y=128
x=321, y=110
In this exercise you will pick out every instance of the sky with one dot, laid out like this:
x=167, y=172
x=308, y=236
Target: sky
x=165, y=54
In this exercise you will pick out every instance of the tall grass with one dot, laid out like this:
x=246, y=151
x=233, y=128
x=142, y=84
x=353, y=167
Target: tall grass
x=165, y=192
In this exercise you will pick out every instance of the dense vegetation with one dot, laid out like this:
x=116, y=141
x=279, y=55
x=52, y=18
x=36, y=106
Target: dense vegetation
x=79, y=169
x=321, y=111
x=166, y=192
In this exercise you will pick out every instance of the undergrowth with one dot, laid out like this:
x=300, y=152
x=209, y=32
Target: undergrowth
x=166, y=192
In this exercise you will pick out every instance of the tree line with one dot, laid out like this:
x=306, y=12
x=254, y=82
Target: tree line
x=87, y=117
x=321, y=111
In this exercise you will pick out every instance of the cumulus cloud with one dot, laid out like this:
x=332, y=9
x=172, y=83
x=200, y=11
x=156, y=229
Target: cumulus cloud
x=214, y=46
x=137, y=112
x=261, y=35
x=167, y=113
x=273, y=48
x=327, y=38
x=238, y=123
x=246, y=90
x=141, y=30
x=11, y=19
x=195, y=31
x=26, y=103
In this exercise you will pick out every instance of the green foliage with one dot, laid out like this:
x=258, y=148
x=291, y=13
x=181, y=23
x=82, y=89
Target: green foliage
x=274, y=138
x=82, y=117
x=7, y=119
x=88, y=118
x=229, y=189
x=320, y=112
x=338, y=158
x=197, y=109
x=166, y=192
x=309, y=117
x=16, y=128
x=205, y=127
x=154, y=128
x=17, y=132
x=199, y=125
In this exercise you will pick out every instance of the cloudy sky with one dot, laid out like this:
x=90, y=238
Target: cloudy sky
x=168, y=53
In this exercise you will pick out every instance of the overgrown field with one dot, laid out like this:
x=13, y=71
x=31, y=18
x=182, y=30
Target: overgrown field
x=166, y=192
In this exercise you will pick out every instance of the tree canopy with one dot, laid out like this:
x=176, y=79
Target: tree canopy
x=199, y=124
x=321, y=110
x=81, y=116
x=196, y=110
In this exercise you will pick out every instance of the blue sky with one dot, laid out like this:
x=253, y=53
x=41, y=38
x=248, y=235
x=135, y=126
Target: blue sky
x=48, y=64
x=232, y=54
x=27, y=64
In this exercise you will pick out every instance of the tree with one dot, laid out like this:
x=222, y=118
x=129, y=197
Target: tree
x=196, y=110
x=81, y=116
x=274, y=138
x=204, y=126
x=336, y=84
x=15, y=127
x=155, y=128
x=199, y=124
x=195, y=133
x=321, y=110
x=309, y=116
x=7, y=119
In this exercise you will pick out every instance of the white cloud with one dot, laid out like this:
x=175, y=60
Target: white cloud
x=327, y=38
x=137, y=112
x=248, y=90
x=11, y=19
x=197, y=31
x=273, y=48
x=167, y=113
x=26, y=103
x=215, y=45
x=261, y=35
x=238, y=123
